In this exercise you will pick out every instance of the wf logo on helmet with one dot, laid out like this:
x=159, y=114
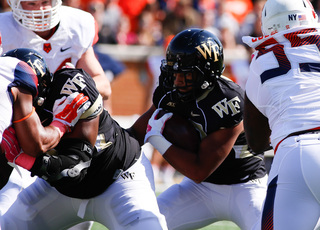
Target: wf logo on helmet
x=204, y=49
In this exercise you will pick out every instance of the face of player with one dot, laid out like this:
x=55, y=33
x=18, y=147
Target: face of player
x=183, y=81
x=36, y=5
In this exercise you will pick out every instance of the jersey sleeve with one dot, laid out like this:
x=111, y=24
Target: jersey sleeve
x=26, y=78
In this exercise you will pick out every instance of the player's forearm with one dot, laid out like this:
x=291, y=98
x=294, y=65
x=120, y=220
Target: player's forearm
x=103, y=85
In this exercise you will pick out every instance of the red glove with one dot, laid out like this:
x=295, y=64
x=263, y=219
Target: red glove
x=14, y=154
x=67, y=111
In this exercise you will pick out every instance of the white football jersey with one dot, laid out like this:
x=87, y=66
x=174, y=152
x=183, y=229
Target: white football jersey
x=284, y=80
x=13, y=72
x=75, y=34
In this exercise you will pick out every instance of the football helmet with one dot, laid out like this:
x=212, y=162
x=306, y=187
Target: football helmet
x=195, y=51
x=36, y=20
x=39, y=66
x=279, y=15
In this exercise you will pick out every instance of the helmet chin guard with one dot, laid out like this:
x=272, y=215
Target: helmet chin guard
x=279, y=15
x=36, y=20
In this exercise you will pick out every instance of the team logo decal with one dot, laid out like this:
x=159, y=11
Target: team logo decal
x=231, y=107
x=47, y=47
x=209, y=49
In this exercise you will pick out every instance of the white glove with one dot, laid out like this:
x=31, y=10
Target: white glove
x=67, y=110
x=154, y=131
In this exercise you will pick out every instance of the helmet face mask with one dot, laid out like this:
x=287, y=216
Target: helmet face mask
x=39, y=66
x=36, y=20
x=193, y=51
x=279, y=15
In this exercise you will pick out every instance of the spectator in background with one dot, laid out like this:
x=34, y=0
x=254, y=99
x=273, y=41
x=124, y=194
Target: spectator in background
x=226, y=23
x=150, y=25
x=129, y=27
x=236, y=69
x=252, y=23
x=180, y=15
x=111, y=67
x=237, y=8
x=109, y=20
x=208, y=21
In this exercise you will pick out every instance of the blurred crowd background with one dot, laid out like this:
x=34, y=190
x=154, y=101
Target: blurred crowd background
x=155, y=22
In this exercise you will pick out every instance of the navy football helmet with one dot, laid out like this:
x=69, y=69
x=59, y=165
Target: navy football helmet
x=39, y=66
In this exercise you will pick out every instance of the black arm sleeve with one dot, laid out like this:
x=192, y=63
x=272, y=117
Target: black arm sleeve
x=67, y=163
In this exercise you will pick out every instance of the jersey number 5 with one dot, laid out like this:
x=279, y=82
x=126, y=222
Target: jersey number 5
x=284, y=63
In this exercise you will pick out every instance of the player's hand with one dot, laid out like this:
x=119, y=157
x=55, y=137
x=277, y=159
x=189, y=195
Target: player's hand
x=155, y=126
x=13, y=152
x=154, y=131
x=68, y=110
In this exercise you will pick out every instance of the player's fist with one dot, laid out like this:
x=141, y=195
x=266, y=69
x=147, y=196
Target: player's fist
x=68, y=110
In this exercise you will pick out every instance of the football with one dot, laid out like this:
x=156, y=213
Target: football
x=180, y=132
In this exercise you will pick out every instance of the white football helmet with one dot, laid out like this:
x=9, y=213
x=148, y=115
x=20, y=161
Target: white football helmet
x=36, y=20
x=279, y=15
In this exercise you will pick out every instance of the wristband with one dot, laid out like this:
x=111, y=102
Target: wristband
x=24, y=160
x=160, y=143
x=62, y=128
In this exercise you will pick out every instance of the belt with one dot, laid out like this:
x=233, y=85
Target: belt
x=314, y=130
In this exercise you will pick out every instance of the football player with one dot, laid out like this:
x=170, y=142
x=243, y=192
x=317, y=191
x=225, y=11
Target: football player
x=282, y=109
x=224, y=179
x=22, y=87
x=97, y=172
x=61, y=34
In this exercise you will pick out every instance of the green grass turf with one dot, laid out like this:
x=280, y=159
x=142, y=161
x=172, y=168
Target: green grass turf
x=221, y=225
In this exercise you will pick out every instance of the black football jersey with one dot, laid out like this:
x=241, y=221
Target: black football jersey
x=218, y=108
x=116, y=149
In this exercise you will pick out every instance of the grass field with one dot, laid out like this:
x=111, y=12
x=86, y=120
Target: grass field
x=222, y=225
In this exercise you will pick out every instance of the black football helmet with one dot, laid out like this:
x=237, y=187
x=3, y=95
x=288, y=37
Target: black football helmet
x=39, y=66
x=197, y=51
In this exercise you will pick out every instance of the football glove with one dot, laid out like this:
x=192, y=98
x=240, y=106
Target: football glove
x=154, y=131
x=14, y=154
x=67, y=111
